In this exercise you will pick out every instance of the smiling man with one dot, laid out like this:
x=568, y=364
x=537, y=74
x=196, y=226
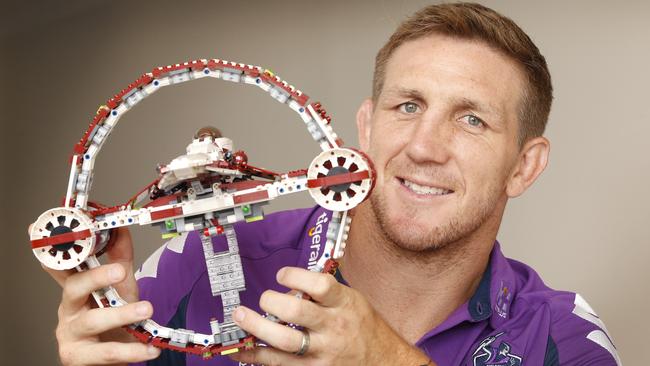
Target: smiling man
x=460, y=101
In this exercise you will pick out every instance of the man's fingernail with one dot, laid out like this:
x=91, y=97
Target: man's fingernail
x=239, y=315
x=280, y=273
x=142, y=309
x=116, y=273
x=153, y=351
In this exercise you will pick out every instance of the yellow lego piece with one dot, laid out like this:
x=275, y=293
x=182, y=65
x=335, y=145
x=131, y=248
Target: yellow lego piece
x=103, y=106
x=170, y=235
x=230, y=351
x=254, y=218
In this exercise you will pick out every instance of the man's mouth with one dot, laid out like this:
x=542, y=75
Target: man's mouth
x=424, y=189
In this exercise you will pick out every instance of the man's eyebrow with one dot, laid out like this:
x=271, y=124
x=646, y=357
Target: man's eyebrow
x=404, y=93
x=467, y=103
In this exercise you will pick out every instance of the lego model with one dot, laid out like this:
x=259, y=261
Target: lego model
x=208, y=189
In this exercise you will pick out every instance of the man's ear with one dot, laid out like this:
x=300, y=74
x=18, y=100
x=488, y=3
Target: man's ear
x=364, y=125
x=531, y=162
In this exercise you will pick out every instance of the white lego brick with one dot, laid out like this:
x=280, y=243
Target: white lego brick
x=82, y=181
x=152, y=87
x=150, y=325
x=180, y=77
x=89, y=157
x=230, y=76
x=207, y=204
x=71, y=179
x=302, y=111
x=81, y=200
x=164, y=81
x=250, y=80
x=264, y=85
x=199, y=74
x=214, y=327
x=112, y=118
x=324, y=145
x=113, y=298
x=100, y=134
x=164, y=332
x=135, y=97
x=279, y=95
x=215, y=74
x=203, y=339
x=121, y=109
x=144, y=217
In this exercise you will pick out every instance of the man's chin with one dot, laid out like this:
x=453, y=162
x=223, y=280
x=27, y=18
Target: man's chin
x=410, y=233
x=412, y=238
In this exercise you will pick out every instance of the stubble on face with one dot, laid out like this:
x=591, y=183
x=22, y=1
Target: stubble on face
x=460, y=227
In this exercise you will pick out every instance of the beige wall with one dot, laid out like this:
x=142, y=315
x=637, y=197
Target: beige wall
x=584, y=226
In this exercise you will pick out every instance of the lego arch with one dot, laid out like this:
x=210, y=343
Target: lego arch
x=74, y=235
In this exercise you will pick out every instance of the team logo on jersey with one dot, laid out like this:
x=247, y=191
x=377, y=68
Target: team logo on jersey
x=489, y=354
x=503, y=300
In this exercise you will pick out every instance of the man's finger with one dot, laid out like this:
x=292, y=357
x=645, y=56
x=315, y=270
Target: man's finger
x=322, y=287
x=292, y=309
x=121, y=251
x=109, y=353
x=268, y=356
x=97, y=321
x=58, y=276
x=78, y=286
x=121, y=246
x=274, y=334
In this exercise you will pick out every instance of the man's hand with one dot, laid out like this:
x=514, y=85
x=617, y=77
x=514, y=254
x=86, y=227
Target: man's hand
x=344, y=329
x=92, y=336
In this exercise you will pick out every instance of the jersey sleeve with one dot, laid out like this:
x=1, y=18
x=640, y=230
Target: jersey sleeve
x=578, y=336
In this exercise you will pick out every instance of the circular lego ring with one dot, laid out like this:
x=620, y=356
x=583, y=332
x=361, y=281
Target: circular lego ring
x=332, y=166
x=74, y=236
x=75, y=233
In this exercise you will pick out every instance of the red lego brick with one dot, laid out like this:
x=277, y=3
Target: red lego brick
x=338, y=179
x=105, y=210
x=242, y=185
x=162, y=214
x=297, y=173
x=60, y=239
x=165, y=200
x=249, y=197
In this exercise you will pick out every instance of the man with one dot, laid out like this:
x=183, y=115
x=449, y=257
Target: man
x=454, y=127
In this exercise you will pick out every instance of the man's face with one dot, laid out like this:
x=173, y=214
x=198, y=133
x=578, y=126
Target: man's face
x=443, y=137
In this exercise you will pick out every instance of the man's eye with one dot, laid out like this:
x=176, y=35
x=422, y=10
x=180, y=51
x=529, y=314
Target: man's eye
x=408, y=107
x=473, y=121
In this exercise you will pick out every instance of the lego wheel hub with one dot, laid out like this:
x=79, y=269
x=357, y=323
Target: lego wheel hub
x=63, y=237
x=340, y=162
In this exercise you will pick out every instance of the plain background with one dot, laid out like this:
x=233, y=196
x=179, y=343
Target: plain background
x=584, y=225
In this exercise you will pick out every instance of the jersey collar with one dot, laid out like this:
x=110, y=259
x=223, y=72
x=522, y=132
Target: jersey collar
x=491, y=299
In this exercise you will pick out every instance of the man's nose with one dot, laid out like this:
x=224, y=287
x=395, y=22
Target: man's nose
x=430, y=140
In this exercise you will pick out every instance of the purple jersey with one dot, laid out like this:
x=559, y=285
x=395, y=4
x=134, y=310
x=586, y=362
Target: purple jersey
x=512, y=318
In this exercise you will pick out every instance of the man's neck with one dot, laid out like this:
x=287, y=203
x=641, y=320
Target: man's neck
x=414, y=292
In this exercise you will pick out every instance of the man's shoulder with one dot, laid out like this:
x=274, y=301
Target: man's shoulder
x=575, y=334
